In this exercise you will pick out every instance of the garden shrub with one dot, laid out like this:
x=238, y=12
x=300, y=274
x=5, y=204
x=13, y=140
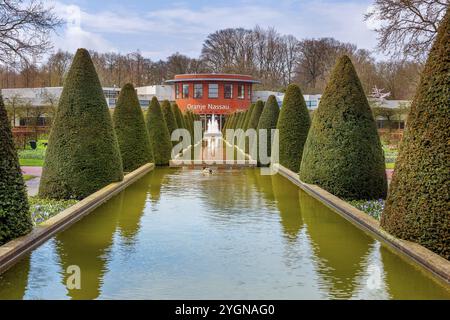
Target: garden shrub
x=417, y=208
x=15, y=219
x=159, y=134
x=254, y=119
x=178, y=116
x=343, y=153
x=268, y=121
x=83, y=153
x=132, y=134
x=248, y=116
x=293, y=126
x=170, y=118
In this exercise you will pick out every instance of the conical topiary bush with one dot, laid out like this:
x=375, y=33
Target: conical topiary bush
x=83, y=154
x=15, y=218
x=417, y=208
x=248, y=116
x=256, y=113
x=293, y=126
x=170, y=118
x=132, y=134
x=268, y=121
x=178, y=116
x=159, y=134
x=343, y=153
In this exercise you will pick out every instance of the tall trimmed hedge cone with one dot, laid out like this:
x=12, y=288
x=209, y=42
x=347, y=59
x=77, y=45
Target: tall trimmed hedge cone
x=132, y=134
x=248, y=116
x=178, y=116
x=343, y=153
x=83, y=153
x=170, y=118
x=159, y=134
x=256, y=113
x=417, y=208
x=15, y=219
x=268, y=121
x=293, y=126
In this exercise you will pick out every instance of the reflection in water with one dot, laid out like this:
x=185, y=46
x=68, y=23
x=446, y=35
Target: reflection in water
x=87, y=245
x=408, y=285
x=14, y=282
x=340, y=248
x=177, y=234
x=133, y=204
x=288, y=205
x=156, y=183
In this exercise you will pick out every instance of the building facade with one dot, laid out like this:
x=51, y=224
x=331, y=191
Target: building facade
x=213, y=94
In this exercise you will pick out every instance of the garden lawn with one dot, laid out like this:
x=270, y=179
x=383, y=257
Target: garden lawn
x=33, y=158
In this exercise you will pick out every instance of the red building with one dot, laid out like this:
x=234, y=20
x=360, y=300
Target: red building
x=213, y=94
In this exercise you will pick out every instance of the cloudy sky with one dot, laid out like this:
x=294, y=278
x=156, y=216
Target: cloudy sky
x=159, y=28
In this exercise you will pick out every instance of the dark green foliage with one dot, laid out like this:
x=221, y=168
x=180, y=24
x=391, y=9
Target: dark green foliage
x=248, y=116
x=293, y=126
x=132, y=134
x=343, y=153
x=178, y=116
x=268, y=120
x=159, y=134
x=169, y=117
x=15, y=219
x=417, y=208
x=83, y=153
x=241, y=119
x=256, y=113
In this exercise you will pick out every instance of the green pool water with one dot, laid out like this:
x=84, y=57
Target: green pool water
x=177, y=234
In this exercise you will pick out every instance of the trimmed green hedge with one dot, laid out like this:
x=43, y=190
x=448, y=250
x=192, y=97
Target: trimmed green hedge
x=256, y=113
x=268, y=121
x=293, y=126
x=171, y=122
x=178, y=116
x=248, y=116
x=417, y=208
x=83, y=153
x=343, y=153
x=15, y=219
x=159, y=134
x=132, y=134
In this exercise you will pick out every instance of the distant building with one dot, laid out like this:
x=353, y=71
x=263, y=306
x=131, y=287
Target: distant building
x=213, y=94
x=204, y=94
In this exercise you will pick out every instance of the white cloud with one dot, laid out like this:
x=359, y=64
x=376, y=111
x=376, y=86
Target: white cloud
x=161, y=32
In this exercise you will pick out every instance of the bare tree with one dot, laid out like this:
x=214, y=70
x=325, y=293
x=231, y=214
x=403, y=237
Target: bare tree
x=408, y=27
x=25, y=27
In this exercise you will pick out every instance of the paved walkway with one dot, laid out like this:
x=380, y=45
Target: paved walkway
x=33, y=184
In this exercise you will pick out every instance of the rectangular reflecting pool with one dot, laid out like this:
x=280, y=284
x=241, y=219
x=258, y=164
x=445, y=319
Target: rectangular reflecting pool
x=178, y=234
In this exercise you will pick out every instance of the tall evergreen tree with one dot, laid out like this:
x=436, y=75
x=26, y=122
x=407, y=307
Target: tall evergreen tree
x=15, y=218
x=83, y=153
x=170, y=118
x=343, y=153
x=248, y=116
x=254, y=119
x=268, y=120
x=159, y=134
x=132, y=134
x=293, y=126
x=417, y=208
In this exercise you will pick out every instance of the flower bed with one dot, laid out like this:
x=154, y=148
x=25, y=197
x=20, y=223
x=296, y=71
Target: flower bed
x=373, y=208
x=43, y=209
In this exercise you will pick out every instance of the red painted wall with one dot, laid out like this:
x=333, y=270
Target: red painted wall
x=219, y=105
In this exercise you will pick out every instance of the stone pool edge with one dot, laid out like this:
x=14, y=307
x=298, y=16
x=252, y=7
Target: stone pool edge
x=12, y=251
x=432, y=262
